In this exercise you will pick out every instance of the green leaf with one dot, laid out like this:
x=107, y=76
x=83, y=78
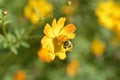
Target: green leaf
x=11, y=37
x=17, y=45
x=1, y=13
x=0, y=21
x=25, y=44
x=22, y=31
x=5, y=44
x=17, y=33
x=6, y=22
x=13, y=49
x=2, y=38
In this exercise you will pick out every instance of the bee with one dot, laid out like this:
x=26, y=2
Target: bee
x=68, y=45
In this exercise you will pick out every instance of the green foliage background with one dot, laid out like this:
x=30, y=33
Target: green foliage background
x=24, y=54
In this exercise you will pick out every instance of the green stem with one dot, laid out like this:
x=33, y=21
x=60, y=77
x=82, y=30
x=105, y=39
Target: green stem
x=28, y=32
x=4, y=28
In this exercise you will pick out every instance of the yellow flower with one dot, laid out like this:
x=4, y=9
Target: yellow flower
x=70, y=8
x=38, y=9
x=72, y=68
x=108, y=14
x=98, y=47
x=54, y=38
x=104, y=12
x=116, y=17
x=20, y=75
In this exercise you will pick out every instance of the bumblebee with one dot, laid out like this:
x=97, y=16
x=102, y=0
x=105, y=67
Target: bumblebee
x=68, y=45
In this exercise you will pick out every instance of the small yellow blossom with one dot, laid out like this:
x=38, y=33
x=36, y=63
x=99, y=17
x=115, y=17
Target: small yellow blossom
x=108, y=14
x=104, y=12
x=70, y=8
x=98, y=47
x=72, y=68
x=20, y=75
x=54, y=38
x=38, y=9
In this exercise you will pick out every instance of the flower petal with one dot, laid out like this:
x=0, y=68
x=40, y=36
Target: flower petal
x=43, y=54
x=61, y=55
x=28, y=11
x=62, y=38
x=48, y=42
x=59, y=26
x=67, y=33
x=34, y=18
x=71, y=36
x=70, y=28
x=52, y=56
x=48, y=31
x=54, y=24
x=45, y=41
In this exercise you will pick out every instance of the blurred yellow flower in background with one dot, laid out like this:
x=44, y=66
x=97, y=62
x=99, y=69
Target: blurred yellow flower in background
x=108, y=14
x=70, y=8
x=98, y=47
x=54, y=39
x=104, y=13
x=37, y=10
x=72, y=68
x=20, y=75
